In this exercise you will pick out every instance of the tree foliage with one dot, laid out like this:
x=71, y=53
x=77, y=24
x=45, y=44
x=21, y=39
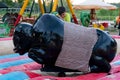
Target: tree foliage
x=8, y=2
x=20, y=2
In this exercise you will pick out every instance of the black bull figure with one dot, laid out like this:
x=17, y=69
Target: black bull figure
x=43, y=42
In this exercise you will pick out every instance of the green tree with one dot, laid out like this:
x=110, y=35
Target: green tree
x=8, y=2
x=21, y=2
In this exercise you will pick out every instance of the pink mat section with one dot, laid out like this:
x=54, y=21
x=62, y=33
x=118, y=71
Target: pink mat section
x=115, y=65
x=115, y=74
x=13, y=59
x=116, y=36
x=111, y=77
x=23, y=67
x=4, y=39
x=32, y=74
x=115, y=71
x=19, y=75
x=92, y=76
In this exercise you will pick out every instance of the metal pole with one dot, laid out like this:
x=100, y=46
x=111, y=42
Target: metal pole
x=31, y=8
x=41, y=7
x=61, y=3
x=21, y=11
x=44, y=5
x=19, y=16
x=51, y=6
x=55, y=5
x=72, y=12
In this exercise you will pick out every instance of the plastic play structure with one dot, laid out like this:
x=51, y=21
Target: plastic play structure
x=85, y=18
x=42, y=9
x=8, y=31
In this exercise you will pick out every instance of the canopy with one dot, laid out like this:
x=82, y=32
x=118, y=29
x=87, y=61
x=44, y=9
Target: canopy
x=3, y=5
x=92, y=4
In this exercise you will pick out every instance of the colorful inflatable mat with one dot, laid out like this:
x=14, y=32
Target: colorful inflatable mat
x=16, y=67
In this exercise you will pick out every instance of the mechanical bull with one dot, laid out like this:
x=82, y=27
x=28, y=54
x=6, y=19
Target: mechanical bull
x=63, y=46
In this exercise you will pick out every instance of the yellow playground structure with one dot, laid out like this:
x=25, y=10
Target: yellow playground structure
x=54, y=7
x=42, y=9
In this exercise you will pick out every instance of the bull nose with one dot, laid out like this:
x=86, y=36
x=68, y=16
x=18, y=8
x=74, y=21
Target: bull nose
x=17, y=48
x=20, y=51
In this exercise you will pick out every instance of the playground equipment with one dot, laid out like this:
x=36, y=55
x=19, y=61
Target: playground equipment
x=42, y=9
x=85, y=18
x=54, y=4
x=98, y=25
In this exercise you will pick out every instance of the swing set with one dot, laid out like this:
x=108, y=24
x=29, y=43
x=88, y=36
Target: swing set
x=42, y=8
